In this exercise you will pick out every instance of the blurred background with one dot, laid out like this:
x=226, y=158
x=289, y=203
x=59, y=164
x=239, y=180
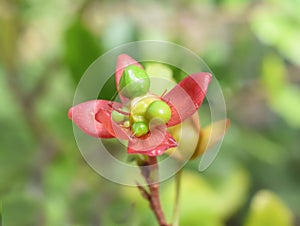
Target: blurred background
x=251, y=46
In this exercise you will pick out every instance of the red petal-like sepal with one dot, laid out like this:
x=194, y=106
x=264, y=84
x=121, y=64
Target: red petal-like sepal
x=156, y=143
x=186, y=97
x=83, y=115
x=117, y=130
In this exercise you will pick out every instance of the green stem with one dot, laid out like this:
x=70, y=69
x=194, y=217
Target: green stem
x=176, y=210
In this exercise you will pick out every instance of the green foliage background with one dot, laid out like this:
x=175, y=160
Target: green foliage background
x=251, y=46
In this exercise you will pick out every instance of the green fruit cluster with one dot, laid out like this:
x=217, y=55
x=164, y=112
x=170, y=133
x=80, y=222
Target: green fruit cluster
x=134, y=84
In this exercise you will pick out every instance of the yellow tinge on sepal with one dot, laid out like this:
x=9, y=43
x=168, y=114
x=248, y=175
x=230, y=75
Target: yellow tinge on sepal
x=187, y=135
x=210, y=136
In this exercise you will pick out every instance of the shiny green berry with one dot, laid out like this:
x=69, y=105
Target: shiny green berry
x=159, y=110
x=139, y=129
x=117, y=116
x=139, y=107
x=134, y=82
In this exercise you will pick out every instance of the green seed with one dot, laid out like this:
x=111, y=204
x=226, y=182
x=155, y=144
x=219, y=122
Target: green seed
x=134, y=82
x=139, y=129
x=117, y=116
x=159, y=110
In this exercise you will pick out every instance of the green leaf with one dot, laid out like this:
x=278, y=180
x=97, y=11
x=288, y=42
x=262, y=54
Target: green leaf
x=109, y=90
x=22, y=209
x=288, y=106
x=81, y=49
x=282, y=96
x=278, y=26
x=205, y=203
x=268, y=209
x=273, y=74
x=8, y=40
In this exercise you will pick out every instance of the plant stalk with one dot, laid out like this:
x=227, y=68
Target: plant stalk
x=150, y=173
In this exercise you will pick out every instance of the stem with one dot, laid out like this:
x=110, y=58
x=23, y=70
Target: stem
x=176, y=210
x=150, y=173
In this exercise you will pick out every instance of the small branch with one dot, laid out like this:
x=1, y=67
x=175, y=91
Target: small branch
x=144, y=193
x=149, y=171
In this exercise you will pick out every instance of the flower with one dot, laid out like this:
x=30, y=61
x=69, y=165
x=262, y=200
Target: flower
x=129, y=120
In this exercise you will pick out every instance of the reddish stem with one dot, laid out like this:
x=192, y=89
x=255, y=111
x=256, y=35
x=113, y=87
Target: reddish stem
x=150, y=173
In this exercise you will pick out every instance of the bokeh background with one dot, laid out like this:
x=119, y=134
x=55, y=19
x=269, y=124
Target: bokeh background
x=251, y=46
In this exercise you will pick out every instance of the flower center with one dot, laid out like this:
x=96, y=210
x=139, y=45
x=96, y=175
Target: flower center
x=139, y=107
x=146, y=109
x=143, y=107
x=142, y=111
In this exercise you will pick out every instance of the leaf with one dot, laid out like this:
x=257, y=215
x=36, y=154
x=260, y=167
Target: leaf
x=268, y=209
x=278, y=26
x=287, y=105
x=81, y=49
x=120, y=29
x=8, y=40
x=205, y=203
x=22, y=209
x=283, y=97
x=273, y=74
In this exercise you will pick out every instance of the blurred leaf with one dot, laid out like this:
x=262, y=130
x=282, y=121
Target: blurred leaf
x=178, y=74
x=120, y=30
x=109, y=89
x=279, y=26
x=81, y=49
x=273, y=74
x=8, y=39
x=232, y=192
x=202, y=203
x=267, y=209
x=22, y=210
x=283, y=97
x=55, y=209
x=287, y=105
x=256, y=144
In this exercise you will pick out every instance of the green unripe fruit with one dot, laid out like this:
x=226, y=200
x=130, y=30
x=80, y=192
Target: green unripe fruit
x=159, y=110
x=134, y=82
x=139, y=129
x=139, y=107
x=117, y=116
